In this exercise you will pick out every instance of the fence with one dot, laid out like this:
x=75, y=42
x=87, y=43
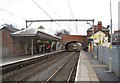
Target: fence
x=104, y=53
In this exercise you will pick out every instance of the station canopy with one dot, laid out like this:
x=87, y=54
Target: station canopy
x=32, y=32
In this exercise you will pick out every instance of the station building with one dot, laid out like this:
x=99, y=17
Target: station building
x=29, y=41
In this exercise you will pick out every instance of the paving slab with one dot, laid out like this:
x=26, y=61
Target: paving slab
x=14, y=59
x=100, y=70
x=85, y=71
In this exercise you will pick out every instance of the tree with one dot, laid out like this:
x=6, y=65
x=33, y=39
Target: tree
x=8, y=25
x=62, y=32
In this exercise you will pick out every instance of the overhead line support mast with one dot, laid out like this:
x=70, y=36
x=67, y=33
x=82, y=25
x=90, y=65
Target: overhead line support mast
x=52, y=20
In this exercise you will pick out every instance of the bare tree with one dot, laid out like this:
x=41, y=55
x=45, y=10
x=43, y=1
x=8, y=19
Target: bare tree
x=62, y=32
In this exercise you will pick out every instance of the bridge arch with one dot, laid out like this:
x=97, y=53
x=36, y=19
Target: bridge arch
x=73, y=45
x=73, y=40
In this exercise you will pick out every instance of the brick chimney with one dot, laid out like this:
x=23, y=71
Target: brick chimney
x=95, y=30
x=99, y=25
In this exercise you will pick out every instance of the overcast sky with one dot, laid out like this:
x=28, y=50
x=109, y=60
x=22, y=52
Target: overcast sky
x=17, y=11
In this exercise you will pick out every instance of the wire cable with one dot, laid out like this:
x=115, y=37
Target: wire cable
x=71, y=12
x=52, y=9
x=8, y=12
x=12, y=14
x=56, y=13
x=45, y=12
x=9, y=21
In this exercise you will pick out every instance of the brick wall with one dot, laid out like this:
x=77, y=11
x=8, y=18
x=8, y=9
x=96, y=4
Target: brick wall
x=6, y=44
x=18, y=44
x=12, y=46
x=67, y=38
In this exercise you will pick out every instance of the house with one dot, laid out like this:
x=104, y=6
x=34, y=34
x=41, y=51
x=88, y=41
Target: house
x=116, y=37
x=101, y=34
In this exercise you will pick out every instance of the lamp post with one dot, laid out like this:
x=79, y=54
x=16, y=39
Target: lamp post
x=110, y=58
x=111, y=22
x=110, y=64
x=92, y=32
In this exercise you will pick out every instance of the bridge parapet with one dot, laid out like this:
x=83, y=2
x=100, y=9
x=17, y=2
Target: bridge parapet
x=70, y=38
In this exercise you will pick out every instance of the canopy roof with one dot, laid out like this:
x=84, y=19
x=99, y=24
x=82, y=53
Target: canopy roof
x=31, y=32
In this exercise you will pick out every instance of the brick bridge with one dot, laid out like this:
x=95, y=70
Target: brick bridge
x=66, y=39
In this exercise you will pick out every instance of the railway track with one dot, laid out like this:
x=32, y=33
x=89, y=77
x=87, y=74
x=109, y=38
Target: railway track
x=65, y=71
x=46, y=70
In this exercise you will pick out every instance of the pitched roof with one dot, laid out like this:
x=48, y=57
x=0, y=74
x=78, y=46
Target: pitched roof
x=9, y=27
x=103, y=28
x=31, y=32
x=116, y=34
x=26, y=32
x=41, y=27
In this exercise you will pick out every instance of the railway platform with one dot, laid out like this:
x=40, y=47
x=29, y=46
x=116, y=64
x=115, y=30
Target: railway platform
x=15, y=59
x=85, y=72
x=89, y=69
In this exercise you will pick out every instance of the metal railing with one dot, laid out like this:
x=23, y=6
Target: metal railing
x=103, y=54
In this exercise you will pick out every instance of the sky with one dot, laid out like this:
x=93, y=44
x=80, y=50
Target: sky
x=15, y=12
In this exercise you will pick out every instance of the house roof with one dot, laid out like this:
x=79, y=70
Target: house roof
x=117, y=31
x=103, y=28
x=9, y=27
x=26, y=32
x=41, y=27
x=116, y=34
x=31, y=32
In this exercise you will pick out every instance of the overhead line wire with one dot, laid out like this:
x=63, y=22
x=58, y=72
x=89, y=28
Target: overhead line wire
x=56, y=13
x=6, y=11
x=71, y=12
x=12, y=14
x=45, y=12
x=70, y=9
x=52, y=8
x=9, y=21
